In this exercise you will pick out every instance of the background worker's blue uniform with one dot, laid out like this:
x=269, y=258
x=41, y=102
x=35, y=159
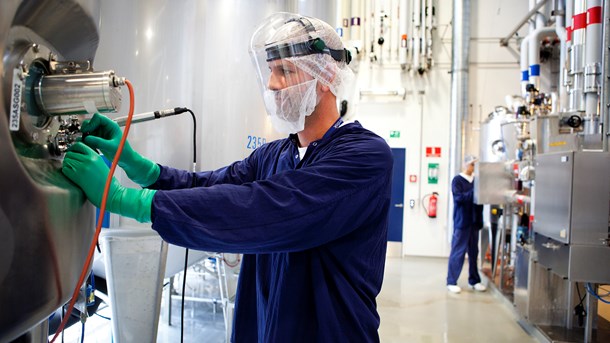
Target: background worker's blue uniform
x=313, y=232
x=467, y=220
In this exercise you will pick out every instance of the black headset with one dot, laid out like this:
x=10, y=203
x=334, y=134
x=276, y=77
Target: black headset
x=312, y=46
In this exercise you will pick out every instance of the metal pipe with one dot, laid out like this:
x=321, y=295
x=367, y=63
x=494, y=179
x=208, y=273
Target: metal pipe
x=421, y=141
x=561, y=34
x=411, y=33
x=430, y=25
x=459, y=89
x=402, y=32
x=220, y=269
x=499, y=242
x=512, y=245
x=416, y=34
x=369, y=35
x=532, y=21
x=569, y=8
x=540, y=19
x=402, y=92
x=525, y=73
x=523, y=62
x=513, y=197
x=424, y=38
x=504, y=41
x=148, y=116
x=534, y=39
x=554, y=99
x=502, y=247
x=39, y=333
x=577, y=57
x=170, y=290
x=593, y=58
x=66, y=94
x=589, y=319
x=394, y=35
x=567, y=77
x=605, y=84
x=199, y=300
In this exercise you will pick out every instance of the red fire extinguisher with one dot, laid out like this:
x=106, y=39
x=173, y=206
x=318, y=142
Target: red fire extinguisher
x=432, y=200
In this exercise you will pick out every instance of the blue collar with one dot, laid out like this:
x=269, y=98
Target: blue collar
x=294, y=137
x=333, y=128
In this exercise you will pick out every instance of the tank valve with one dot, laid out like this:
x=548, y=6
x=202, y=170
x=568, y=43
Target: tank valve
x=67, y=134
x=574, y=121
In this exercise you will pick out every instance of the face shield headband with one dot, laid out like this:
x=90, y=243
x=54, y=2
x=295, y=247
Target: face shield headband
x=312, y=46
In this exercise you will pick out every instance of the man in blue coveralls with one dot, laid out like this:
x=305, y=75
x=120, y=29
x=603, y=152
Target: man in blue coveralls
x=309, y=212
x=467, y=220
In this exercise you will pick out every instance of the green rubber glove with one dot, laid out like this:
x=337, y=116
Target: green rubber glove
x=103, y=133
x=88, y=170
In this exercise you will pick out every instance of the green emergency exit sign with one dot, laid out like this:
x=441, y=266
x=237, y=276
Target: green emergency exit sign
x=394, y=134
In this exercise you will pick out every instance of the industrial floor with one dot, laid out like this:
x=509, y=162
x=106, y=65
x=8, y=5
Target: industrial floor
x=414, y=306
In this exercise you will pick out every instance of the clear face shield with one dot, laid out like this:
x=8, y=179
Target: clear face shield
x=285, y=51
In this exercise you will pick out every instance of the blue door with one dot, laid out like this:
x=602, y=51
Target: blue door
x=398, y=196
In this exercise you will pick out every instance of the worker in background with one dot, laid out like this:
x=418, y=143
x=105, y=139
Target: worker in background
x=467, y=221
x=309, y=212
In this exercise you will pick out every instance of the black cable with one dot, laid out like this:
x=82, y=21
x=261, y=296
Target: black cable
x=194, y=136
x=579, y=297
x=82, y=336
x=186, y=259
x=579, y=310
x=63, y=314
x=186, y=251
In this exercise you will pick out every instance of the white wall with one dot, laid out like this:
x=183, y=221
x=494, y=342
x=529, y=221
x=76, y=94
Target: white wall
x=423, y=119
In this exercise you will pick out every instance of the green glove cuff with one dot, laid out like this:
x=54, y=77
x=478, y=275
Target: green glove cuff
x=132, y=203
x=140, y=170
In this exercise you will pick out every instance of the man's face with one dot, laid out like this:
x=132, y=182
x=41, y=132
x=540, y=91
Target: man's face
x=470, y=168
x=285, y=74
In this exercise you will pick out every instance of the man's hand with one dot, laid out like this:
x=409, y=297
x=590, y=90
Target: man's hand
x=88, y=170
x=104, y=134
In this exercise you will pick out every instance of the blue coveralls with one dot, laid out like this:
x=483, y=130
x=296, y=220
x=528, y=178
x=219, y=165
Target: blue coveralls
x=313, y=233
x=467, y=220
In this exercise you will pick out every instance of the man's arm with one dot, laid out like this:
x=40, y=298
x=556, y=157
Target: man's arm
x=460, y=193
x=291, y=211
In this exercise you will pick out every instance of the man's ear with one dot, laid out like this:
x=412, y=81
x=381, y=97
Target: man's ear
x=323, y=88
x=331, y=73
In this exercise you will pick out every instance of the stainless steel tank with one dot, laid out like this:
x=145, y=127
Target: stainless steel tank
x=46, y=225
x=500, y=133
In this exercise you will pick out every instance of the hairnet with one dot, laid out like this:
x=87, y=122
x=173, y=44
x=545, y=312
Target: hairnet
x=296, y=39
x=468, y=159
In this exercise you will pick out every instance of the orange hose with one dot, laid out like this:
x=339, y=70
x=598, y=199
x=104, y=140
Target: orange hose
x=100, y=219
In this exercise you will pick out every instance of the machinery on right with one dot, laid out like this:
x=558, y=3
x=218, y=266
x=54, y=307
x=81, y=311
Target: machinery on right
x=544, y=170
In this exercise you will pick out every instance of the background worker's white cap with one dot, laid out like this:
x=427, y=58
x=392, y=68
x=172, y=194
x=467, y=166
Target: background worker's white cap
x=468, y=159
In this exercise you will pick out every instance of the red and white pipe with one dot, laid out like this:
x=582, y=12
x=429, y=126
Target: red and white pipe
x=592, y=64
